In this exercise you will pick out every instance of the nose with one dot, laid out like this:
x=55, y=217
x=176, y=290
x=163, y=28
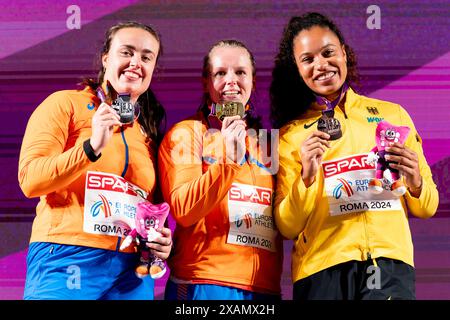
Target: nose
x=322, y=63
x=135, y=60
x=231, y=78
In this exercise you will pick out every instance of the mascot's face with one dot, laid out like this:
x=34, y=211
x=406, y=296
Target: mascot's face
x=391, y=135
x=150, y=216
x=387, y=133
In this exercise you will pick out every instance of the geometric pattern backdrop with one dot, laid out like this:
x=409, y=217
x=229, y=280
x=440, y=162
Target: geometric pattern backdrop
x=407, y=61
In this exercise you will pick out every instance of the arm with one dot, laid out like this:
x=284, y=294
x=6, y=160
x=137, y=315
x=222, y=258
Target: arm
x=294, y=202
x=424, y=203
x=191, y=193
x=44, y=165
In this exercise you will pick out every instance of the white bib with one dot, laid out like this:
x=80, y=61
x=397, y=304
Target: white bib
x=346, y=186
x=110, y=204
x=250, y=216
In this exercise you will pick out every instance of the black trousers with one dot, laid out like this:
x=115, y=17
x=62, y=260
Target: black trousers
x=359, y=280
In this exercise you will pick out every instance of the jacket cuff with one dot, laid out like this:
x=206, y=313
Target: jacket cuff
x=89, y=151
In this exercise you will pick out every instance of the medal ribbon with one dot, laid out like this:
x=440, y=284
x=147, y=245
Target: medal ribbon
x=331, y=104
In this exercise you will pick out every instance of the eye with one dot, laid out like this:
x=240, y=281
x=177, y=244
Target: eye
x=150, y=222
x=126, y=53
x=328, y=53
x=241, y=73
x=219, y=74
x=147, y=58
x=307, y=59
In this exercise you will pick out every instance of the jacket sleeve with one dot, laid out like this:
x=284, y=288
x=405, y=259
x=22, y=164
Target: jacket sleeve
x=426, y=205
x=294, y=202
x=44, y=164
x=191, y=193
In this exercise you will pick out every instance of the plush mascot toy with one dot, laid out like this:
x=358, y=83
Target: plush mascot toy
x=149, y=217
x=386, y=134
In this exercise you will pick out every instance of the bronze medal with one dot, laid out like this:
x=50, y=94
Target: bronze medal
x=329, y=124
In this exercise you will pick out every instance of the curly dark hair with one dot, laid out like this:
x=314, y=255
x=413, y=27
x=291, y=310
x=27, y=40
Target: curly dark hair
x=253, y=119
x=290, y=97
x=152, y=113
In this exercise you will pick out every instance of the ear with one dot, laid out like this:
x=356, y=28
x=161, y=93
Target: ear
x=104, y=60
x=344, y=53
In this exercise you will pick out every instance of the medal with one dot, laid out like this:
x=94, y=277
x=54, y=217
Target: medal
x=125, y=108
x=127, y=111
x=328, y=123
x=221, y=110
x=228, y=109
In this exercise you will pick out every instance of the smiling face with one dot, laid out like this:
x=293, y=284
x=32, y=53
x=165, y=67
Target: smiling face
x=130, y=61
x=321, y=60
x=230, y=76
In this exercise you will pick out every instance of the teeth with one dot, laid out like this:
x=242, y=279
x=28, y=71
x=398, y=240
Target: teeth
x=230, y=93
x=326, y=76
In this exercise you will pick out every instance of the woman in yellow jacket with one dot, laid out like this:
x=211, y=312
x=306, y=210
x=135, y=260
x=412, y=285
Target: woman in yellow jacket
x=225, y=242
x=348, y=243
x=90, y=170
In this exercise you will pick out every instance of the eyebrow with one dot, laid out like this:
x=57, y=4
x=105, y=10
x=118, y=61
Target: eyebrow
x=128, y=46
x=325, y=46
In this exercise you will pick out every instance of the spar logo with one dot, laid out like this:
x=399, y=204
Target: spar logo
x=343, y=186
x=349, y=164
x=101, y=206
x=247, y=218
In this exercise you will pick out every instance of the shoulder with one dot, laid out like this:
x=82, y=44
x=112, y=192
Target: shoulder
x=68, y=98
x=185, y=129
x=368, y=102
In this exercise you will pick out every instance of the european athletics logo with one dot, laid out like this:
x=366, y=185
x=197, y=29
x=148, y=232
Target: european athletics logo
x=343, y=185
x=103, y=205
x=248, y=221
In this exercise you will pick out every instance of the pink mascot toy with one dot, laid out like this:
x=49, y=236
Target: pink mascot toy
x=149, y=217
x=386, y=134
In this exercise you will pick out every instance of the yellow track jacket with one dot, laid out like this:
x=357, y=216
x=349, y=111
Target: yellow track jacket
x=330, y=221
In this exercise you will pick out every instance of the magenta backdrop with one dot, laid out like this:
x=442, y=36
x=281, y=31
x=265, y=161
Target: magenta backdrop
x=407, y=61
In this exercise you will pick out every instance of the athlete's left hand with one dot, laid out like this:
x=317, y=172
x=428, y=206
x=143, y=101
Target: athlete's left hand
x=162, y=245
x=406, y=161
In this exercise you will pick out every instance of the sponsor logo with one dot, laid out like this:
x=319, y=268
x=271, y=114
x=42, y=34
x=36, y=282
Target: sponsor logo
x=252, y=194
x=307, y=126
x=374, y=119
x=91, y=106
x=247, y=218
x=345, y=186
x=352, y=163
x=102, y=205
x=99, y=181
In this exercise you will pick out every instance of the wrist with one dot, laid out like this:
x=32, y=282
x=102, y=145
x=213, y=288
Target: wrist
x=90, y=152
x=416, y=190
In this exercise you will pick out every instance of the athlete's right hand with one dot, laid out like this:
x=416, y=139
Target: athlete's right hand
x=103, y=122
x=311, y=152
x=233, y=132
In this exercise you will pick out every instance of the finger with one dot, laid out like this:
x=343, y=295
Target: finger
x=227, y=120
x=404, y=170
x=320, y=134
x=110, y=123
x=166, y=233
x=401, y=160
x=317, y=139
x=315, y=145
